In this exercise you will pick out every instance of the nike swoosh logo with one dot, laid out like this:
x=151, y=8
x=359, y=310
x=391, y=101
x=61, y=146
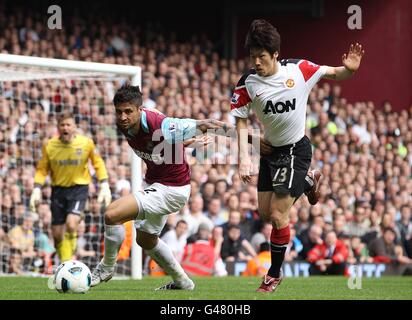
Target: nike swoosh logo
x=258, y=94
x=277, y=184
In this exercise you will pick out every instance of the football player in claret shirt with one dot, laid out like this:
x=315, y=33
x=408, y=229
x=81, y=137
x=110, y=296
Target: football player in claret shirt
x=277, y=92
x=151, y=134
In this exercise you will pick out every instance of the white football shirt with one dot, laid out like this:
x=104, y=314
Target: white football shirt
x=280, y=100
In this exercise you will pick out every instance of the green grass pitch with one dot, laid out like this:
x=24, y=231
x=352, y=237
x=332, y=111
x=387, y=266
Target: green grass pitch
x=228, y=288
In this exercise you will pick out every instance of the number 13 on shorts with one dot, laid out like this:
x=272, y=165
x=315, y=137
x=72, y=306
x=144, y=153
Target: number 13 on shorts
x=281, y=176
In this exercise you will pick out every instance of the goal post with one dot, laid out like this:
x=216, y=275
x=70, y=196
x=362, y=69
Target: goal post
x=76, y=68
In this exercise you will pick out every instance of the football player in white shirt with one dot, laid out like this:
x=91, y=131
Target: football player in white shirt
x=277, y=92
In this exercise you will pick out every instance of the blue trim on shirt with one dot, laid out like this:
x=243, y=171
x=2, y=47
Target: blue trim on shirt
x=177, y=130
x=143, y=121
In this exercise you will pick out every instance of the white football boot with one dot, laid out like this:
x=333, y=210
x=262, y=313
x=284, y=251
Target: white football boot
x=184, y=284
x=101, y=273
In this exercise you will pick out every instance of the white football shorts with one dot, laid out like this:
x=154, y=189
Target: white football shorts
x=156, y=202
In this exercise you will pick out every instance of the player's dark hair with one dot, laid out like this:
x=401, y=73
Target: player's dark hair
x=128, y=93
x=262, y=35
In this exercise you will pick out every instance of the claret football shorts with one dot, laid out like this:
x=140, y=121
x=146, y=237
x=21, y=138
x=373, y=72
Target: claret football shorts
x=156, y=202
x=284, y=171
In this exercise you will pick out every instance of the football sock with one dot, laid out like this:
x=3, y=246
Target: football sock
x=279, y=241
x=71, y=238
x=164, y=257
x=113, y=239
x=64, y=250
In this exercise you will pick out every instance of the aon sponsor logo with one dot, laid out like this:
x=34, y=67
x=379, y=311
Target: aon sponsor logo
x=279, y=107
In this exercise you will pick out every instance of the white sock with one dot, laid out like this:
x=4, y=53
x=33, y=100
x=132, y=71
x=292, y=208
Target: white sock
x=164, y=257
x=113, y=239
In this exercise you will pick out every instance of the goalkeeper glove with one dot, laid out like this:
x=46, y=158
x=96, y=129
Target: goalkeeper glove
x=105, y=194
x=35, y=198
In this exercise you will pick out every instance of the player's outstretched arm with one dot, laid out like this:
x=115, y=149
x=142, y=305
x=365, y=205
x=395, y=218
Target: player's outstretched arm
x=351, y=63
x=197, y=142
x=188, y=131
x=219, y=127
x=244, y=161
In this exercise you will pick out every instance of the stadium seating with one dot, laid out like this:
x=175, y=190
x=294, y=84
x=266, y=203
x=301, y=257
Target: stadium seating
x=363, y=150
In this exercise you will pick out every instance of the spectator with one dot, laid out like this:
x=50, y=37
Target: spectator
x=176, y=239
x=208, y=191
x=199, y=256
x=329, y=257
x=22, y=240
x=196, y=215
x=216, y=241
x=82, y=249
x=359, y=226
x=303, y=220
x=3, y=239
x=262, y=236
x=16, y=262
x=122, y=183
x=358, y=252
x=385, y=250
x=233, y=220
x=294, y=247
x=247, y=222
x=233, y=244
x=221, y=188
x=404, y=229
x=339, y=226
x=259, y=265
x=43, y=246
x=214, y=211
x=4, y=249
x=310, y=238
x=147, y=101
x=374, y=230
x=232, y=204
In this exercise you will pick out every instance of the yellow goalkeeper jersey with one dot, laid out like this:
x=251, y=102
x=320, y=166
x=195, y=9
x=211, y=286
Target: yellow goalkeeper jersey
x=68, y=162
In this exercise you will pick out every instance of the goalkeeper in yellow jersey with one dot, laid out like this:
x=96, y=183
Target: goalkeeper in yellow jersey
x=66, y=158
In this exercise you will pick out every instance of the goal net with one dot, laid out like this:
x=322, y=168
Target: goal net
x=33, y=92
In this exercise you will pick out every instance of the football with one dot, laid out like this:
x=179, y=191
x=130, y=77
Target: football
x=71, y=277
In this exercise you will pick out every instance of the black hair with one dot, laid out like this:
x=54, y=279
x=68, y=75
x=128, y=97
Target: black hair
x=264, y=246
x=128, y=93
x=181, y=222
x=386, y=229
x=263, y=35
x=233, y=226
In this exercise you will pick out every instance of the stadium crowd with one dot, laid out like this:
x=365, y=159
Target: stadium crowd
x=364, y=152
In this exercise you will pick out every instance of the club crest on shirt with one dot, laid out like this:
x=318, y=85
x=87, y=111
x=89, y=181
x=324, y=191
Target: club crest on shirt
x=79, y=151
x=235, y=98
x=290, y=83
